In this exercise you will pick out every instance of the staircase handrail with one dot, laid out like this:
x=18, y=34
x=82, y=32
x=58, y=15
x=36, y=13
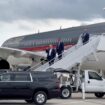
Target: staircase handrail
x=65, y=53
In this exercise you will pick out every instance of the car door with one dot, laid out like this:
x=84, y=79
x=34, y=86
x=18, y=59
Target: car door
x=5, y=86
x=94, y=82
x=21, y=84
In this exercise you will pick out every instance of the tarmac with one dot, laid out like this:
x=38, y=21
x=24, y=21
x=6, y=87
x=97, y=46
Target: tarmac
x=76, y=99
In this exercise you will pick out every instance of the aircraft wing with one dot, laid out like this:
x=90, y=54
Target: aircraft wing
x=5, y=52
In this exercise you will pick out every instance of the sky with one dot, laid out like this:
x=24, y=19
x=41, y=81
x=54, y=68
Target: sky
x=22, y=17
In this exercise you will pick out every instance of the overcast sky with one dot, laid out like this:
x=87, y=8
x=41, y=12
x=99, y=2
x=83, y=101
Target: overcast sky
x=21, y=17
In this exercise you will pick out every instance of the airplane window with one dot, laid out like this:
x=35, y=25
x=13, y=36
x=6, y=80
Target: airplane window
x=34, y=43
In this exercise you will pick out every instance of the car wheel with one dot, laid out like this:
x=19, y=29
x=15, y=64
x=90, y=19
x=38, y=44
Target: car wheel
x=40, y=98
x=99, y=95
x=65, y=93
x=29, y=101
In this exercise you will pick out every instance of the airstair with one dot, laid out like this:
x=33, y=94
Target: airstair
x=73, y=55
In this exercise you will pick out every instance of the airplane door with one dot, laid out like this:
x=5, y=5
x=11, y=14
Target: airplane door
x=94, y=83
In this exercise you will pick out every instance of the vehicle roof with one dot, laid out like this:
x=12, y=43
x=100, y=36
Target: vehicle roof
x=33, y=72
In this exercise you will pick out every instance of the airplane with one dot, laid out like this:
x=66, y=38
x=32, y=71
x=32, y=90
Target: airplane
x=29, y=49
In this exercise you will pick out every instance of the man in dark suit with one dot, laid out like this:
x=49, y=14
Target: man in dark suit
x=85, y=37
x=51, y=54
x=60, y=48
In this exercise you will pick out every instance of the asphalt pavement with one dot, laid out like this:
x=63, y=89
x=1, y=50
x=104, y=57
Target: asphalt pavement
x=76, y=99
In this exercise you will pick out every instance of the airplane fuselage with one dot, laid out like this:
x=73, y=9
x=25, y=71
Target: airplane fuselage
x=41, y=41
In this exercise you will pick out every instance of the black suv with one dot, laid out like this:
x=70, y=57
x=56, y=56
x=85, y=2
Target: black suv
x=34, y=87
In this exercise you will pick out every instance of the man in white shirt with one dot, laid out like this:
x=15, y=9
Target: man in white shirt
x=51, y=54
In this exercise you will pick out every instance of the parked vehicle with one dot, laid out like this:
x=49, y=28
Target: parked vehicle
x=34, y=87
x=65, y=86
x=71, y=82
x=94, y=83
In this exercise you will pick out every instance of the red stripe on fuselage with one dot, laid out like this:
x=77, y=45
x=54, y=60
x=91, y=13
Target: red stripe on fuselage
x=43, y=48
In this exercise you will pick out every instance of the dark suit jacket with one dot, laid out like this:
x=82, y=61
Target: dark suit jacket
x=60, y=47
x=51, y=55
x=85, y=37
